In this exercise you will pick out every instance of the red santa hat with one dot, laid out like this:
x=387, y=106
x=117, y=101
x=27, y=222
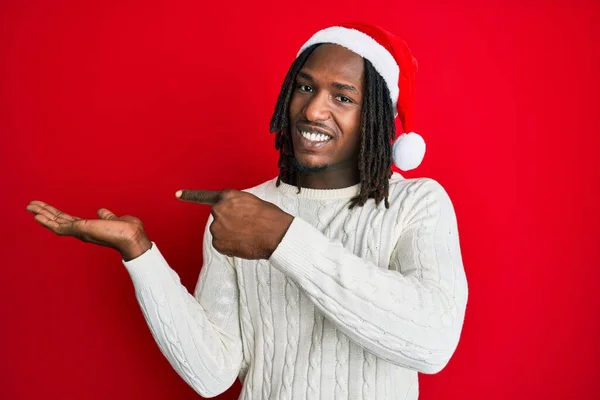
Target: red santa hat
x=391, y=57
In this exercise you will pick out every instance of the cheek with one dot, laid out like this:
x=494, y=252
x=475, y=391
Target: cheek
x=350, y=125
x=295, y=106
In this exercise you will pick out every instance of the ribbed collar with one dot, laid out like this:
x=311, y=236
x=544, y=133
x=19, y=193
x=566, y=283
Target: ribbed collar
x=319, y=194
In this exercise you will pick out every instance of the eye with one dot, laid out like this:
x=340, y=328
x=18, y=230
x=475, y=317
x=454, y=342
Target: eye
x=344, y=99
x=305, y=88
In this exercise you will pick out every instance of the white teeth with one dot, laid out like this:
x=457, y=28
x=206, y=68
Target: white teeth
x=315, y=137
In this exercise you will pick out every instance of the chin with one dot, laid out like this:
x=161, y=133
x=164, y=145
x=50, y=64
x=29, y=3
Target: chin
x=309, y=167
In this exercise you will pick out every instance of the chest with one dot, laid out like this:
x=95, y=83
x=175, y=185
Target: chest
x=362, y=231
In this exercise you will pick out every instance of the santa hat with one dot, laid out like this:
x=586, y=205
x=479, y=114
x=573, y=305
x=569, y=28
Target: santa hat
x=391, y=57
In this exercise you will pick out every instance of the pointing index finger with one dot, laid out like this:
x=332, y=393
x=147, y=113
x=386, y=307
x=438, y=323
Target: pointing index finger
x=199, y=196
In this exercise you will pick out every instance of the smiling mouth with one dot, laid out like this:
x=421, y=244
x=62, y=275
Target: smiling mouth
x=313, y=138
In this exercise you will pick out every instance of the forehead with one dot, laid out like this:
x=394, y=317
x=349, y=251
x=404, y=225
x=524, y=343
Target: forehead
x=335, y=63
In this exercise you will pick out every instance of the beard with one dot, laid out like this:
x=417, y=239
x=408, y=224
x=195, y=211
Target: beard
x=308, y=168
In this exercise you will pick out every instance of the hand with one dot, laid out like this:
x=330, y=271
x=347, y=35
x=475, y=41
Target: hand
x=125, y=234
x=244, y=226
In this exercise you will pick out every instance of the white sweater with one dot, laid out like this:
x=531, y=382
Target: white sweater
x=351, y=305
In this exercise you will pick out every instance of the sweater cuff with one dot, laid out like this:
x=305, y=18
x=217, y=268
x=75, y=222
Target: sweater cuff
x=146, y=265
x=298, y=250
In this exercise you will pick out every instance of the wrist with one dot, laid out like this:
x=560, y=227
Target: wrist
x=136, y=248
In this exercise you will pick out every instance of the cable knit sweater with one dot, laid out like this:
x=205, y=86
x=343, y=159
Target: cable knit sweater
x=351, y=305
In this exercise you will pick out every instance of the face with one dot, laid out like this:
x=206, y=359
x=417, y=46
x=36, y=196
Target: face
x=325, y=109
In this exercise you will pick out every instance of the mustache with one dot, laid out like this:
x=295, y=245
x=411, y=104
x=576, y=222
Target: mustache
x=314, y=125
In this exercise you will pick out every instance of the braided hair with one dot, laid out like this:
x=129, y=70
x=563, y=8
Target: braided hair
x=377, y=131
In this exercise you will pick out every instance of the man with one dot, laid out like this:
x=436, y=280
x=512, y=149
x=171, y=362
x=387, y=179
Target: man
x=337, y=279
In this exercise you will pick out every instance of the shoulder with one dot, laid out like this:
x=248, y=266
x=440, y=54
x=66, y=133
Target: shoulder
x=416, y=192
x=264, y=189
x=399, y=184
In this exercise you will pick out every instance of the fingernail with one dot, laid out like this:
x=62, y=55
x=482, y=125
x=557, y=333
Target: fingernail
x=178, y=193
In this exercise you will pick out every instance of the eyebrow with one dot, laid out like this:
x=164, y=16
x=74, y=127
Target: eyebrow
x=337, y=85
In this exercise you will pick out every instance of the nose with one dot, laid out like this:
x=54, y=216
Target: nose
x=317, y=107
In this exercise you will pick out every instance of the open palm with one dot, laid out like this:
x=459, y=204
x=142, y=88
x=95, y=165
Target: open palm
x=110, y=230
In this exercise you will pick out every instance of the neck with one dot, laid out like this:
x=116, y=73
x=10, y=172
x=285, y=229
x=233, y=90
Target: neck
x=329, y=178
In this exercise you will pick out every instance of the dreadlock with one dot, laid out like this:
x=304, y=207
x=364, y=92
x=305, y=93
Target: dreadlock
x=376, y=127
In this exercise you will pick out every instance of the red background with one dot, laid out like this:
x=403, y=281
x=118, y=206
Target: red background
x=119, y=104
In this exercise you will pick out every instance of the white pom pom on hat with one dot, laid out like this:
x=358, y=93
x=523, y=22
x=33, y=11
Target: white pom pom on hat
x=408, y=151
x=392, y=58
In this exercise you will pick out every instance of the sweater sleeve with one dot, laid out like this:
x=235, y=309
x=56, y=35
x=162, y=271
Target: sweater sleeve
x=199, y=334
x=410, y=313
